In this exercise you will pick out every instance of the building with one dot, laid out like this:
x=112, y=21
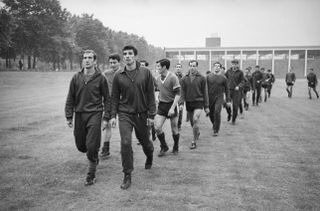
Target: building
x=280, y=59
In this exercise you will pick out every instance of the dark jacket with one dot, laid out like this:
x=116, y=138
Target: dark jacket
x=90, y=96
x=196, y=90
x=256, y=78
x=133, y=96
x=217, y=87
x=312, y=79
x=235, y=78
x=290, y=77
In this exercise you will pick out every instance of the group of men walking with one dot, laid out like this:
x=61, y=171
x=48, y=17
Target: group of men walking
x=97, y=100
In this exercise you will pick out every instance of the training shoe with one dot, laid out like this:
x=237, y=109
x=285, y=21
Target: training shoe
x=126, y=181
x=104, y=155
x=148, y=163
x=90, y=180
x=163, y=151
x=215, y=133
x=193, y=145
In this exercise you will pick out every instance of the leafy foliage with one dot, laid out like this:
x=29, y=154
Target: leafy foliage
x=42, y=29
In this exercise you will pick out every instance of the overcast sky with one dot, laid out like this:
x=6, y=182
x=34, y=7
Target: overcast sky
x=186, y=23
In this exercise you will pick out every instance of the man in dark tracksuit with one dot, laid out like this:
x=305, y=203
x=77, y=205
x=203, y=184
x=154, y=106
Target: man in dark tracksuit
x=247, y=87
x=179, y=75
x=235, y=83
x=256, y=85
x=290, y=79
x=312, y=83
x=194, y=92
x=88, y=93
x=133, y=99
x=217, y=87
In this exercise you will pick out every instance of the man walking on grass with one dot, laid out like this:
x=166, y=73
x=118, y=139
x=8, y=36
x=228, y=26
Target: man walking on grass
x=194, y=92
x=169, y=95
x=114, y=63
x=133, y=100
x=88, y=97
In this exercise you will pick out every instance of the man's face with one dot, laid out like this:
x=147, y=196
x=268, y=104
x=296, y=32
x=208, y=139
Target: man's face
x=234, y=66
x=216, y=68
x=178, y=68
x=88, y=60
x=193, y=66
x=114, y=64
x=256, y=68
x=128, y=56
x=160, y=69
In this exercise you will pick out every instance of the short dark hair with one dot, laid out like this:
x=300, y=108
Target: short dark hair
x=179, y=64
x=220, y=65
x=90, y=51
x=144, y=61
x=164, y=62
x=257, y=66
x=311, y=69
x=130, y=47
x=114, y=56
x=194, y=61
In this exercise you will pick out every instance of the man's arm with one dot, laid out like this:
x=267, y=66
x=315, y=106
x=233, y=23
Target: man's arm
x=106, y=99
x=115, y=96
x=151, y=96
x=69, y=107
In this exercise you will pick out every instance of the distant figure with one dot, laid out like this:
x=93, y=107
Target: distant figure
x=290, y=79
x=266, y=80
x=247, y=87
x=312, y=83
x=256, y=85
x=88, y=97
x=179, y=74
x=271, y=82
x=20, y=64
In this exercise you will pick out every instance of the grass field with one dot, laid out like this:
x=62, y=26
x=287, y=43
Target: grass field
x=270, y=160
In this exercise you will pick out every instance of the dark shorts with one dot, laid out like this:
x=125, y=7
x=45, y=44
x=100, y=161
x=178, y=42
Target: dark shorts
x=191, y=106
x=163, y=109
x=311, y=84
x=289, y=84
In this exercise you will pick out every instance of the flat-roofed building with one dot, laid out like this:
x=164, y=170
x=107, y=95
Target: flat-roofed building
x=280, y=59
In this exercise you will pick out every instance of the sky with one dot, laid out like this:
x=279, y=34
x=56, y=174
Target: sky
x=186, y=23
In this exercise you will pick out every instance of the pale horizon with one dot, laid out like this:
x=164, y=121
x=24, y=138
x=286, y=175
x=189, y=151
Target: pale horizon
x=178, y=23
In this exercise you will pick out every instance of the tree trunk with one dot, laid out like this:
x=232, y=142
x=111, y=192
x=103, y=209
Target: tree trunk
x=29, y=62
x=58, y=63
x=34, y=62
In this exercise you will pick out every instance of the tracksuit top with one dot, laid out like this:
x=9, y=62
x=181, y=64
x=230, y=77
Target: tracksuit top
x=133, y=95
x=88, y=96
x=312, y=78
x=235, y=78
x=194, y=90
x=217, y=86
x=257, y=78
x=290, y=77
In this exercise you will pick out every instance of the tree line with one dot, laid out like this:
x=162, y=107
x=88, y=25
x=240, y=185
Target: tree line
x=40, y=31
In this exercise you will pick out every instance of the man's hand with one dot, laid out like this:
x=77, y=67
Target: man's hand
x=113, y=122
x=150, y=121
x=104, y=124
x=171, y=112
x=69, y=123
x=236, y=88
x=229, y=104
x=207, y=111
x=180, y=107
